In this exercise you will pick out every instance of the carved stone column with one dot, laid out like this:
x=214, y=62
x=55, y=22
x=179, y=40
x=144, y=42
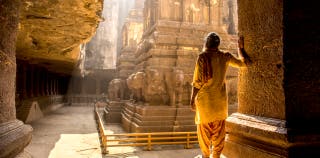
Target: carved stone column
x=47, y=81
x=37, y=82
x=54, y=87
x=24, y=82
x=82, y=85
x=279, y=101
x=14, y=134
x=98, y=86
x=43, y=83
x=58, y=86
x=31, y=81
x=51, y=84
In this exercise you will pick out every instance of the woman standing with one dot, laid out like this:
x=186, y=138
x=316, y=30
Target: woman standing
x=209, y=95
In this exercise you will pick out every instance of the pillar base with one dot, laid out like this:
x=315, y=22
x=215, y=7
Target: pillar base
x=14, y=136
x=252, y=136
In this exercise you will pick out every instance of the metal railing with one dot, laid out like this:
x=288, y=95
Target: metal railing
x=103, y=138
x=144, y=139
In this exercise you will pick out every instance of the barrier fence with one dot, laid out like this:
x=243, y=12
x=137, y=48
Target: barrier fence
x=143, y=139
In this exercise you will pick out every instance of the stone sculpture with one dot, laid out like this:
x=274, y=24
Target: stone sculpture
x=179, y=86
x=135, y=83
x=116, y=89
x=155, y=91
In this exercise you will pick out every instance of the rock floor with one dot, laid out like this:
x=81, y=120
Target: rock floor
x=70, y=132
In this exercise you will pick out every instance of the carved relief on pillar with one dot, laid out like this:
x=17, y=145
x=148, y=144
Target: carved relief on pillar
x=197, y=11
x=192, y=10
x=171, y=10
x=150, y=13
x=182, y=88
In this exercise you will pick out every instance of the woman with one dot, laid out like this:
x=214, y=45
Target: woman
x=209, y=95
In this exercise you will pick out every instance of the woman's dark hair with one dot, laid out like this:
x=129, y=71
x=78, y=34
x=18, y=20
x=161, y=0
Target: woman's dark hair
x=212, y=40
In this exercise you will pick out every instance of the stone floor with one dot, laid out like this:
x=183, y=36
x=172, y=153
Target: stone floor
x=70, y=132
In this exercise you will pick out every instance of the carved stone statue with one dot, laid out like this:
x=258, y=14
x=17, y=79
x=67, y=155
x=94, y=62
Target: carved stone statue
x=136, y=83
x=179, y=80
x=155, y=92
x=182, y=88
x=116, y=89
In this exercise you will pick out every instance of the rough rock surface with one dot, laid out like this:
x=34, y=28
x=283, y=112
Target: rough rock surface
x=50, y=32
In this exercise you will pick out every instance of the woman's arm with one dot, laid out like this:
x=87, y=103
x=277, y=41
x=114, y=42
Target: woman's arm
x=242, y=53
x=193, y=96
x=243, y=59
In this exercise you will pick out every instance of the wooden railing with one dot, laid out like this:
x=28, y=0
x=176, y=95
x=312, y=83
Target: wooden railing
x=144, y=139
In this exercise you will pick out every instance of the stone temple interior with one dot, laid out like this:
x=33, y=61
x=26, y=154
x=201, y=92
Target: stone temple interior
x=138, y=57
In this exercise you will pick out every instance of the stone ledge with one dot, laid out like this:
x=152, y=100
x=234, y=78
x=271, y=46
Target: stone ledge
x=255, y=135
x=268, y=130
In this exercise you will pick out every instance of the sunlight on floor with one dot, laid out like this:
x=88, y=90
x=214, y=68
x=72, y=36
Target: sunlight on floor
x=77, y=146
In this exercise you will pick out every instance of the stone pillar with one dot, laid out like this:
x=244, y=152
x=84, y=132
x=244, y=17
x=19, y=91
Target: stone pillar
x=82, y=85
x=71, y=86
x=156, y=10
x=31, y=81
x=54, y=87
x=36, y=82
x=47, y=84
x=98, y=84
x=51, y=85
x=279, y=101
x=58, y=86
x=13, y=133
x=43, y=83
x=24, y=82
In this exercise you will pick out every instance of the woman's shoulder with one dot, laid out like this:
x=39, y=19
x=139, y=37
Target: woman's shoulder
x=225, y=54
x=204, y=54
